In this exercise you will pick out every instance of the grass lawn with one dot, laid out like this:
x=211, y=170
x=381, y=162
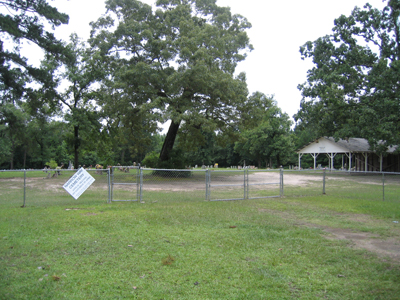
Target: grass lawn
x=194, y=249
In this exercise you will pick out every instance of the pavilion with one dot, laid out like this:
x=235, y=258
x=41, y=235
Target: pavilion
x=356, y=155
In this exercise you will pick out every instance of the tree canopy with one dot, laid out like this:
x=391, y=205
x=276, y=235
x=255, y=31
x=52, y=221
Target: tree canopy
x=74, y=94
x=103, y=101
x=25, y=21
x=175, y=63
x=269, y=138
x=353, y=88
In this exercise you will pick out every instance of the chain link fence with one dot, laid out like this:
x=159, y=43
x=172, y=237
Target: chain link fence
x=374, y=186
x=125, y=184
x=135, y=184
x=45, y=188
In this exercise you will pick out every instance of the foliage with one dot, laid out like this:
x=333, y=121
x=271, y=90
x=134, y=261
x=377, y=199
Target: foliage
x=151, y=160
x=13, y=122
x=353, y=88
x=25, y=21
x=269, y=136
x=178, y=64
x=76, y=101
x=52, y=164
x=211, y=149
x=176, y=160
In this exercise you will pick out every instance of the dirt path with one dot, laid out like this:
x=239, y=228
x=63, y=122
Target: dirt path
x=363, y=240
x=384, y=247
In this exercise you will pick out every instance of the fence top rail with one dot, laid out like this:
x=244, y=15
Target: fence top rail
x=265, y=170
x=50, y=170
x=343, y=171
x=226, y=171
x=130, y=167
x=173, y=170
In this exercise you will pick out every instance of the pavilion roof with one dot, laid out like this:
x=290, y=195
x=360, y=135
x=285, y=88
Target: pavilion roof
x=329, y=145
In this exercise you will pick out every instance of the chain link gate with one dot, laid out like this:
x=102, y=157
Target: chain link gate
x=263, y=184
x=225, y=185
x=126, y=184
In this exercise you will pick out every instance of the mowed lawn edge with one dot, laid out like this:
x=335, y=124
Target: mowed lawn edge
x=254, y=249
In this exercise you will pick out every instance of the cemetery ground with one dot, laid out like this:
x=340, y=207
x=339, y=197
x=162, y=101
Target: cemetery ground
x=178, y=246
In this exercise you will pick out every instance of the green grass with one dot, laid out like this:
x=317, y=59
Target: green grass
x=253, y=249
x=20, y=174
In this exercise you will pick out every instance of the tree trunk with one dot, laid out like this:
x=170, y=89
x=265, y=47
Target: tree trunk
x=123, y=157
x=278, y=159
x=24, y=157
x=169, y=140
x=41, y=153
x=76, y=147
x=12, y=159
x=12, y=154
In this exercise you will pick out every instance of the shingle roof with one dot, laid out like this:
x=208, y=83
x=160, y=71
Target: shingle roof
x=352, y=145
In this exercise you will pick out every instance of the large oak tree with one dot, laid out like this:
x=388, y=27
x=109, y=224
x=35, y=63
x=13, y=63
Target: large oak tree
x=175, y=63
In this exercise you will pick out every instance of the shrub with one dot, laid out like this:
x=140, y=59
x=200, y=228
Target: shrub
x=52, y=164
x=151, y=160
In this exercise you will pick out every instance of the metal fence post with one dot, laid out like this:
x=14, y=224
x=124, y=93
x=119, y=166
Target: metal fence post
x=281, y=183
x=383, y=186
x=140, y=184
x=112, y=183
x=206, y=183
x=24, y=188
x=109, y=184
x=244, y=184
x=323, y=182
x=208, y=179
x=247, y=185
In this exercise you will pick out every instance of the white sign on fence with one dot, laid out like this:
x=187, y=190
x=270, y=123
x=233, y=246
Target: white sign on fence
x=78, y=183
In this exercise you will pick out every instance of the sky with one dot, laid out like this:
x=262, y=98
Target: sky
x=278, y=30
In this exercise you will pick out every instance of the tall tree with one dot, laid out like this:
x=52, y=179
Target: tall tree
x=13, y=122
x=175, y=63
x=267, y=136
x=353, y=88
x=25, y=20
x=74, y=92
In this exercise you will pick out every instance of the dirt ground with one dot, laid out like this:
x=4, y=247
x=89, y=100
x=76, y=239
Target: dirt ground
x=389, y=247
x=384, y=247
x=258, y=179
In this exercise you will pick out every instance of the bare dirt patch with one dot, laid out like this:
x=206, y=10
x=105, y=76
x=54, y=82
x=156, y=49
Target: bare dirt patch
x=363, y=240
x=383, y=247
x=260, y=179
